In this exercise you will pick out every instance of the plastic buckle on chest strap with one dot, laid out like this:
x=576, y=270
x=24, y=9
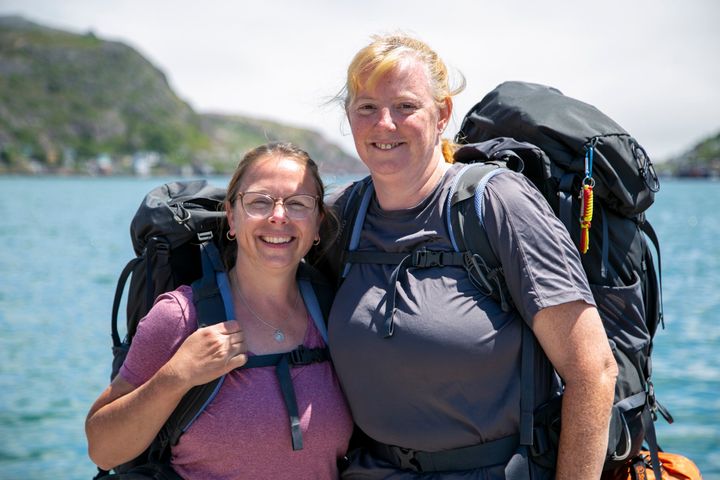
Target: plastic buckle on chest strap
x=429, y=259
x=306, y=356
x=426, y=259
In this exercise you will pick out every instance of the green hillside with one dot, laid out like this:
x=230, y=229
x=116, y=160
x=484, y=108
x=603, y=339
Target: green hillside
x=702, y=160
x=231, y=135
x=73, y=103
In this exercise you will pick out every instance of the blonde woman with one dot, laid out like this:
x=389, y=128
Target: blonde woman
x=438, y=393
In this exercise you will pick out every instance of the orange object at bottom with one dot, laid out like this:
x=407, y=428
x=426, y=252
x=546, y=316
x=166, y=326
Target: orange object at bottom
x=672, y=465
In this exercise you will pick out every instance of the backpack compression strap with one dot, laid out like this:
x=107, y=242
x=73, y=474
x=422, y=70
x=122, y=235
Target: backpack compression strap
x=117, y=342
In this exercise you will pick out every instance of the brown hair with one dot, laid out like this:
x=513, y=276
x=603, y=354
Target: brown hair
x=384, y=53
x=275, y=149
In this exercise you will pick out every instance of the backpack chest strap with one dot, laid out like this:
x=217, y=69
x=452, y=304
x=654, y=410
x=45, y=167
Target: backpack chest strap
x=282, y=363
x=417, y=259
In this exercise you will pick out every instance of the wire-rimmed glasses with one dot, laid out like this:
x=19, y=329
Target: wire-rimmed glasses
x=261, y=205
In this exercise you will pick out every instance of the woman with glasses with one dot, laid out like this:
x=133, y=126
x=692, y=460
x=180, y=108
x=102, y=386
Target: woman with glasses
x=274, y=212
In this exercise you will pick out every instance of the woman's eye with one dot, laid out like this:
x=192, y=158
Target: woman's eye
x=295, y=205
x=407, y=107
x=261, y=203
x=366, y=108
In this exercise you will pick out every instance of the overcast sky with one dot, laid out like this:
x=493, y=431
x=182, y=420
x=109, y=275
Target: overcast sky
x=652, y=65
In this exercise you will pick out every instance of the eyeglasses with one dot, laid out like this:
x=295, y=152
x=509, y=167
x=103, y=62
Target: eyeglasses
x=261, y=205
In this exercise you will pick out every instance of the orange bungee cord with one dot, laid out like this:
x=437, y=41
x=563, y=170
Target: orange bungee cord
x=586, y=199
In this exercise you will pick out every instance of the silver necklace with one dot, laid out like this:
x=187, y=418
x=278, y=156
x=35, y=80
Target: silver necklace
x=278, y=334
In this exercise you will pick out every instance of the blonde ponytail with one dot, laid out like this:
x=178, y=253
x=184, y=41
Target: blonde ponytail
x=448, y=150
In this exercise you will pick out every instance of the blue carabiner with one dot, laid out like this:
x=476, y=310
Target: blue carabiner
x=589, y=151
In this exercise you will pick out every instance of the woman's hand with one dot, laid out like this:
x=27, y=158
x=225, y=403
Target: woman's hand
x=209, y=353
x=124, y=419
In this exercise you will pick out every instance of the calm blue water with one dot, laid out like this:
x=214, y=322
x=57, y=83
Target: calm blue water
x=65, y=240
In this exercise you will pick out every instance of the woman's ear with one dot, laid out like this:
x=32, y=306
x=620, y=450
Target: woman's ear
x=229, y=217
x=445, y=114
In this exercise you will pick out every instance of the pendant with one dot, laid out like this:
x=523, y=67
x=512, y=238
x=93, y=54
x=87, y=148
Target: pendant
x=279, y=336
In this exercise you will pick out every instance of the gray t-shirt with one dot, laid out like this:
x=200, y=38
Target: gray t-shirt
x=449, y=376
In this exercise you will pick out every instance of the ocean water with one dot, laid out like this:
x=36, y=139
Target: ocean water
x=65, y=240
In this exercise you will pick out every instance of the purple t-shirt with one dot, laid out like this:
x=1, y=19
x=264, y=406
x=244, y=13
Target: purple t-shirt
x=245, y=431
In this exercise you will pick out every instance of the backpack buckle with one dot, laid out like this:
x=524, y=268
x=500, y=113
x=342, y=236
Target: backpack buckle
x=306, y=356
x=427, y=258
x=205, y=236
x=299, y=356
x=407, y=460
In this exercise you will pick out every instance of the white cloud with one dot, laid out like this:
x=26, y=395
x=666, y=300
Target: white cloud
x=651, y=65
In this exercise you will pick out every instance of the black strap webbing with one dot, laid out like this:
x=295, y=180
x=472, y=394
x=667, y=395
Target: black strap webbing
x=648, y=230
x=282, y=370
x=118, y=298
x=416, y=259
x=495, y=452
x=210, y=311
x=527, y=386
x=282, y=363
x=651, y=440
x=566, y=198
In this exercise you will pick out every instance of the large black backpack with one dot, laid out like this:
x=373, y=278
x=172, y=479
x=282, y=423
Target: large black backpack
x=554, y=138
x=170, y=224
x=177, y=234
x=585, y=147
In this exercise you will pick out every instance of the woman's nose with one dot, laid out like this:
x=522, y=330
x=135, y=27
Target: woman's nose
x=386, y=119
x=279, y=214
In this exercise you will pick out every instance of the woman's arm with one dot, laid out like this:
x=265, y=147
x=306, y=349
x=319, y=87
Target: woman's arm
x=573, y=337
x=124, y=420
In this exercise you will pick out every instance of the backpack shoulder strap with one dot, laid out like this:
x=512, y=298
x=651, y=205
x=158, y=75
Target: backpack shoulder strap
x=467, y=232
x=353, y=216
x=317, y=294
x=282, y=362
x=213, y=301
x=214, y=305
x=465, y=224
x=211, y=292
